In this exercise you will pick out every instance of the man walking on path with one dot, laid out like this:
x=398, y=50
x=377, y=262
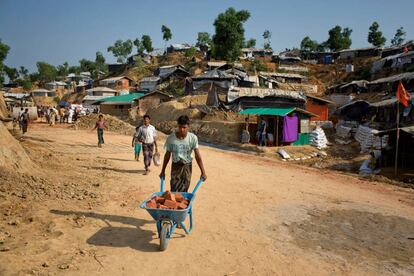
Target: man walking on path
x=25, y=120
x=149, y=142
x=100, y=125
x=19, y=118
x=180, y=145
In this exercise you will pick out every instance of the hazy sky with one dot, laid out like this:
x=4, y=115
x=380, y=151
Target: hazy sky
x=57, y=31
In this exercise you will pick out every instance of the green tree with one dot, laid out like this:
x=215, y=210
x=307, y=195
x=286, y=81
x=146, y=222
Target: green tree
x=11, y=73
x=46, y=72
x=190, y=52
x=166, y=33
x=63, y=70
x=87, y=65
x=147, y=43
x=23, y=72
x=229, y=37
x=100, y=65
x=267, y=36
x=4, y=50
x=399, y=37
x=251, y=43
x=203, y=39
x=34, y=77
x=309, y=45
x=140, y=46
x=74, y=69
x=258, y=65
x=25, y=83
x=339, y=38
x=121, y=49
x=375, y=36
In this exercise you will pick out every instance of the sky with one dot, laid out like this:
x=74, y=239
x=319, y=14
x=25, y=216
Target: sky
x=56, y=31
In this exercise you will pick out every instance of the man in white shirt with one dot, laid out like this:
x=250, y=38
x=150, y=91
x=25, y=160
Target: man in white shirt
x=148, y=136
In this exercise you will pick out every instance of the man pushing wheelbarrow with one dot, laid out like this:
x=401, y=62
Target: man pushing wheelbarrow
x=180, y=145
x=170, y=209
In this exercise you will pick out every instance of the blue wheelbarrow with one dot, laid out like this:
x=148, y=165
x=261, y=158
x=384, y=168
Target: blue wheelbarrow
x=168, y=220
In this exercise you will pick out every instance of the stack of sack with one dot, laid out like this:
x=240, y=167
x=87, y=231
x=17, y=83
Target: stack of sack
x=343, y=131
x=368, y=140
x=318, y=138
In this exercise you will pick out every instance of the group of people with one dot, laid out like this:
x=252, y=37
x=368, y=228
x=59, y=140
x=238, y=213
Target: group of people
x=68, y=114
x=179, y=147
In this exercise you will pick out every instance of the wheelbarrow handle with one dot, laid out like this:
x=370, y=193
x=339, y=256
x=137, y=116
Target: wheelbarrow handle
x=198, y=185
x=162, y=185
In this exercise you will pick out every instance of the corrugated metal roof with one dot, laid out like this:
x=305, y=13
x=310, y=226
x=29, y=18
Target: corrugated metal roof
x=265, y=92
x=214, y=74
x=41, y=90
x=320, y=99
x=114, y=79
x=128, y=98
x=100, y=89
x=403, y=76
x=282, y=75
x=275, y=111
x=150, y=79
x=409, y=129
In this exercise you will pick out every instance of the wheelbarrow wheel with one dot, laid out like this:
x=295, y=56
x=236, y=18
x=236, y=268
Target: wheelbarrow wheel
x=164, y=235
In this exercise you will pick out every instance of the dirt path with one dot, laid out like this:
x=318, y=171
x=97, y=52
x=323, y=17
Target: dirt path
x=253, y=216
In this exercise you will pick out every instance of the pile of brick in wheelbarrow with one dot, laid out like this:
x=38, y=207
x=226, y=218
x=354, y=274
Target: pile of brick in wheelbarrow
x=168, y=201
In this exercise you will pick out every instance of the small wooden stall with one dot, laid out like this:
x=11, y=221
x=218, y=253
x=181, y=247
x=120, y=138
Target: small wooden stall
x=274, y=118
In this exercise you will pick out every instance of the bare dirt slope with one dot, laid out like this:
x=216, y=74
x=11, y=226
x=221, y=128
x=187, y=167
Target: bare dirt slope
x=78, y=215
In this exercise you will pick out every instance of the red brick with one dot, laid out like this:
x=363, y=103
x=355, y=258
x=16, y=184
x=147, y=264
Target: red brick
x=151, y=204
x=159, y=199
x=186, y=201
x=168, y=195
x=182, y=205
x=179, y=197
x=170, y=204
x=163, y=207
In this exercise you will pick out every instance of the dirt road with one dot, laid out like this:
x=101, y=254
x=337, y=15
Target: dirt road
x=78, y=215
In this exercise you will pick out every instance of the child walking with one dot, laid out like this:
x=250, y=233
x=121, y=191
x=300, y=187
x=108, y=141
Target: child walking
x=100, y=125
x=137, y=143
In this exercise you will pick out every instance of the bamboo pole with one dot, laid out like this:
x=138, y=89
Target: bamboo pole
x=398, y=139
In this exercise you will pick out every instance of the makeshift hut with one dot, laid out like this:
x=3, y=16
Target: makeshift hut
x=318, y=106
x=121, y=83
x=150, y=100
x=355, y=111
x=287, y=125
x=119, y=106
x=389, y=84
x=97, y=93
x=405, y=149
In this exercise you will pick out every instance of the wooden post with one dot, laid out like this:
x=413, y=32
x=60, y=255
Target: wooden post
x=277, y=131
x=398, y=138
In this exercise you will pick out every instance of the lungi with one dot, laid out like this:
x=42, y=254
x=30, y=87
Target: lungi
x=180, y=176
x=148, y=150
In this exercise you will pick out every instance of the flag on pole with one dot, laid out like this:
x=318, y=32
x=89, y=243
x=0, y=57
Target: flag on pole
x=402, y=95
